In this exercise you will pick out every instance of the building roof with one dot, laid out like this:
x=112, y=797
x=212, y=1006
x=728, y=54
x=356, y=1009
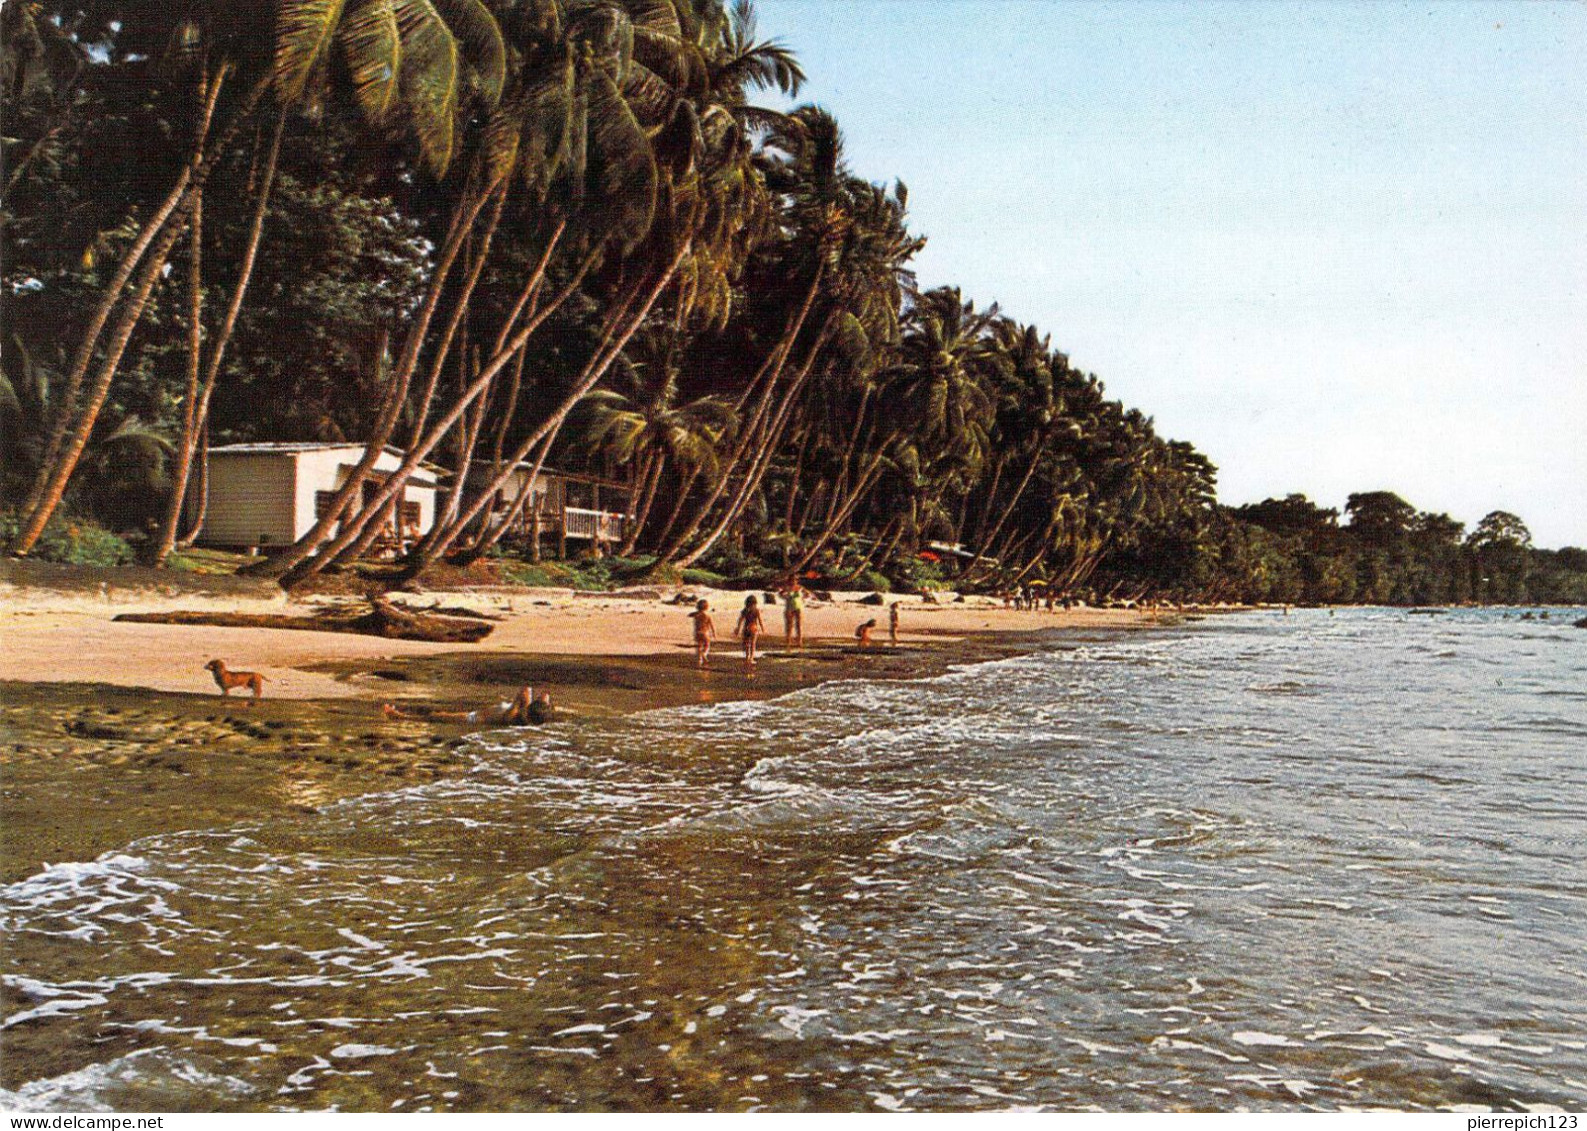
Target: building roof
x=296, y=447
x=291, y=447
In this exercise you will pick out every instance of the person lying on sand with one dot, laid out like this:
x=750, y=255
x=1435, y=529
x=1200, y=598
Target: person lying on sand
x=704, y=632
x=526, y=709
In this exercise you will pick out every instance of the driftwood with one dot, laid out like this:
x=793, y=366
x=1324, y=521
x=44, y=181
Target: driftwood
x=382, y=618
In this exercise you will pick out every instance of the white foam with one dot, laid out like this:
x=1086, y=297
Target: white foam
x=356, y=1051
x=1252, y=1037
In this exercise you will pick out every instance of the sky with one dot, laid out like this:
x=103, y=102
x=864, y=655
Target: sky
x=1337, y=246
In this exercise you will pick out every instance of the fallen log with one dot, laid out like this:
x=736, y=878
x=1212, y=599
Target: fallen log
x=382, y=618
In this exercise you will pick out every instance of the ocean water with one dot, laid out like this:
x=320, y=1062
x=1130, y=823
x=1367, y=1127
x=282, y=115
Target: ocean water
x=1254, y=862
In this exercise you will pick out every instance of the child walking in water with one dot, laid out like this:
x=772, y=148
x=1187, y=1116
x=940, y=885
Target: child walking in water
x=704, y=632
x=750, y=626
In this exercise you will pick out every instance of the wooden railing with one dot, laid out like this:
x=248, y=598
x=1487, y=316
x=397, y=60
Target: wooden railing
x=604, y=525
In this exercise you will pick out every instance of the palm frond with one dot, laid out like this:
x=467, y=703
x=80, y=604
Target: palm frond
x=477, y=31
x=372, y=46
x=429, y=79
x=305, y=30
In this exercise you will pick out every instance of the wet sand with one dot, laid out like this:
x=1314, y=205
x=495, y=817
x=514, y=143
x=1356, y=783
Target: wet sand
x=112, y=731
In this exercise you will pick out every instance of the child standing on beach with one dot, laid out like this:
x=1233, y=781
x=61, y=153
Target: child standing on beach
x=863, y=633
x=750, y=626
x=892, y=623
x=704, y=632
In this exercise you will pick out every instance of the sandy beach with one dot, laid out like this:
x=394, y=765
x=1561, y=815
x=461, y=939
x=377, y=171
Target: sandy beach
x=55, y=637
x=112, y=730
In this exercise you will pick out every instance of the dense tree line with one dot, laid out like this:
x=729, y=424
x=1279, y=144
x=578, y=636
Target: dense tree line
x=562, y=232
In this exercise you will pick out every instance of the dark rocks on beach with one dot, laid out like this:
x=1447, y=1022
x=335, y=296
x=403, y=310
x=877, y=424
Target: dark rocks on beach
x=873, y=599
x=1582, y=623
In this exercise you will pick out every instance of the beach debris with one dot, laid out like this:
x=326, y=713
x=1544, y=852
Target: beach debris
x=380, y=618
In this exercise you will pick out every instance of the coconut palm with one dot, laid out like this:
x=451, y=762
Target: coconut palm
x=644, y=425
x=399, y=53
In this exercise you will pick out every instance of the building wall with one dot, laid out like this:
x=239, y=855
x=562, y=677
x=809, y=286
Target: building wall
x=326, y=470
x=250, y=501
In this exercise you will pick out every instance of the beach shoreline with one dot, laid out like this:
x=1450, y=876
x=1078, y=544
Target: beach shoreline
x=112, y=731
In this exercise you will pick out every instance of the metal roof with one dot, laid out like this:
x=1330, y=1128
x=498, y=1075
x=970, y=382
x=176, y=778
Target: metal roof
x=288, y=447
x=296, y=447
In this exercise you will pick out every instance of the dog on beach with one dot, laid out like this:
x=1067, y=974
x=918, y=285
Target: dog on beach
x=226, y=680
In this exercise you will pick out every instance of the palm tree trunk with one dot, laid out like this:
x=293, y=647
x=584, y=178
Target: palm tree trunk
x=770, y=371
x=767, y=447
x=876, y=546
x=438, y=431
x=795, y=475
x=196, y=423
x=991, y=494
x=476, y=261
x=636, y=488
x=637, y=523
x=974, y=568
x=872, y=473
x=504, y=414
x=55, y=489
x=82, y=360
x=202, y=493
x=602, y=360
x=166, y=540
x=685, y=486
x=288, y=565
x=151, y=248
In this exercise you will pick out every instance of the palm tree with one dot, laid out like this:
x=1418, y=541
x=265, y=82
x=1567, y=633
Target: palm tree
x=646, y=427
x=711, y=208
x=398, y=53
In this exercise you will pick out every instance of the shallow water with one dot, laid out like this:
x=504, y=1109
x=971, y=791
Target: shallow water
x=1259, y=862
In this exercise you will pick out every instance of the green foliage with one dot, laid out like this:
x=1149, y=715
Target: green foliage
x=697, y=576
x=588, y=574
x=73, y=541
x=873, y=580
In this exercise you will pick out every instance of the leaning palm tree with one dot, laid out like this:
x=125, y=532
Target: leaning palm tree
x=644, y=424
x=423, y=58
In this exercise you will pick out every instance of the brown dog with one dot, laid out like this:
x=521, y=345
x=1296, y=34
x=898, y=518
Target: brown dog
x=226, y=680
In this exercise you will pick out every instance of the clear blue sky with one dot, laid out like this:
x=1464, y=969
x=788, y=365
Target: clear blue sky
x=1337, y=246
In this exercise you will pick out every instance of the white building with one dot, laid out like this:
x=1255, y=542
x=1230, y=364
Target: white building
x=263, y=495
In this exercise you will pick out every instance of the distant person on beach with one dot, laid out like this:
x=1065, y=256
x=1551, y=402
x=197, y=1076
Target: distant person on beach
x=704, y=632
x=525, y=709
x=750, y=626
x=793, y=616
x=863, y=633
x=892, y=623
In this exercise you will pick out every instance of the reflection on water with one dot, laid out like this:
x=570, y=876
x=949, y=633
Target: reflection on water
x=1303, y=862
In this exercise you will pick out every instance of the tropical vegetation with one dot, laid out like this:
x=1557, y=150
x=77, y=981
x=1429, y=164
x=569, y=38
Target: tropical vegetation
x=565, y=233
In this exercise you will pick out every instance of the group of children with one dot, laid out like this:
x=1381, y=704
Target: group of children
x=752, y=625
